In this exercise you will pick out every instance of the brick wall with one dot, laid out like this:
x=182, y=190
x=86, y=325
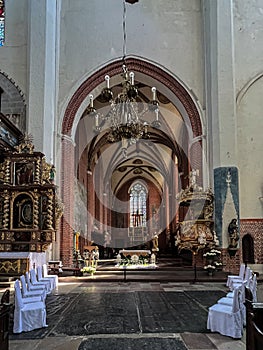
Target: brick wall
x=67, y=194
x=254, y=227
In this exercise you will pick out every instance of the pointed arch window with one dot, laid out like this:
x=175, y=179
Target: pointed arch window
x=2, y=22
x=138, y=202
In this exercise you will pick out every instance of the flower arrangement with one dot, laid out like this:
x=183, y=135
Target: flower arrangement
x=212, y=263
x=212, y=253
x=211, y=267
x=134, y=261
x=88, y=269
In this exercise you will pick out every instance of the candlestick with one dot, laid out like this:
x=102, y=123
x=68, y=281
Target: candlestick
x=107, y=78
x=132, y=78
x=154, y=93
x=91, y=100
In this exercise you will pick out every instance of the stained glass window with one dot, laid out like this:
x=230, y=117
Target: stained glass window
x=2, y=22
x=138, y=200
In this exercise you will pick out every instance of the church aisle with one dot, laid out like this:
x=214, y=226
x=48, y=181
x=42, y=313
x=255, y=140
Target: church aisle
x=107, y=315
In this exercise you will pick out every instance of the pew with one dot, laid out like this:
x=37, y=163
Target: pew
x=4, y=320
x=254, y=322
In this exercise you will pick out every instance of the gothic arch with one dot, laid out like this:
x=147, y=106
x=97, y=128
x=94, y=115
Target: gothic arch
x=248, y=249
x=90, y=84
x=12, y=102
x=138, y=66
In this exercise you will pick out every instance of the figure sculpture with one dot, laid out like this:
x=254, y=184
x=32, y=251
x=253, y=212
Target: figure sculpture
x=233, y=234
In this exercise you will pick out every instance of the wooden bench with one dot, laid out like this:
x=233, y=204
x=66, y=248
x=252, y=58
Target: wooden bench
x=4, y=320
x=76, y=270
x=254, y=322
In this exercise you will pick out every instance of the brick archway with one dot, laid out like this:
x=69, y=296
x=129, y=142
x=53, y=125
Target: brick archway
x=138, y=66
x=67, y=172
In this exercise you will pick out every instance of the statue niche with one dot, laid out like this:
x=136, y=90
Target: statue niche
x=23, y=212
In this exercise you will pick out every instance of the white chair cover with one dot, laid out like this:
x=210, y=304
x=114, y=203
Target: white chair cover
x=237, y=282
x=34, y=288
x=240, y=276
x=45, y=274
x=26, y=300
x=28, y=316
x=31, y=293
x=229, y=301
x=253, y=287
x=41, y=278
x=226, y=320
x=35, y=282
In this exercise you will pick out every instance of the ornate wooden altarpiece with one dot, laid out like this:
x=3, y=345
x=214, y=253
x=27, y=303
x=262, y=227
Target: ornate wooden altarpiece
x=29, y=206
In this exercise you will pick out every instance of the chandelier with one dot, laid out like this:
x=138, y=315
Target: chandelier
x=126, y=116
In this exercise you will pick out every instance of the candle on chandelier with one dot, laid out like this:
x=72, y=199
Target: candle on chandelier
x=91, y=100
x=96, y=120
x=107, y=78
x=157, y=114
x=132, y=78
x=154, y=93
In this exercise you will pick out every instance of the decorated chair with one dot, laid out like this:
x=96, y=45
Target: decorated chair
x=226, y=320
x=46, y=274
x=31, y=293
x=34, y=287
x=28, y=316
x=237, y=282
x=26, y=300
x=240, y=276
x=35, y=282
x=41, y=278
x=252, y=285
x=229, y=298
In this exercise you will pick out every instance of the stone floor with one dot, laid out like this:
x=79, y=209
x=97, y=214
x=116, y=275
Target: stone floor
x=136, y=295
x=137, y=340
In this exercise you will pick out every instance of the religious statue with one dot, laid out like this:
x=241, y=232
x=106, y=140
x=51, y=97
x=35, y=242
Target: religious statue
x=155, y=247
x=233, y=234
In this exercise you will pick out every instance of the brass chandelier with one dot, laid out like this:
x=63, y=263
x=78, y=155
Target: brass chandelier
x=126, y=116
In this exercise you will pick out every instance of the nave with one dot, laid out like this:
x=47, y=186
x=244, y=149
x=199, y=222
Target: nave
x=86, y=312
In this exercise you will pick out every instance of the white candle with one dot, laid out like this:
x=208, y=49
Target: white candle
x=96, y=120
x=91, y=100
x=157, y=114
x=107, y=78
x=132, y=78
x=154, y=93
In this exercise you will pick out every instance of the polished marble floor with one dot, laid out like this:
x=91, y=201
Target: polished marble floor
x=160, y=339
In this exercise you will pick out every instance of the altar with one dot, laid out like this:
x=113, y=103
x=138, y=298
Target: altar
x=17, y=263
x=131, y=252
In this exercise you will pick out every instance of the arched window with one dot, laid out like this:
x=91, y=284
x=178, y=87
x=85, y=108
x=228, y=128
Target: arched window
x=138, y=201
x=2, y=22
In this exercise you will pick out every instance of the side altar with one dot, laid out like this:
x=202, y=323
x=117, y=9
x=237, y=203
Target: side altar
x=17, y=263
x=29, y=207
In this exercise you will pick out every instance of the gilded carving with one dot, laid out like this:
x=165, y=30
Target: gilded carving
x=29, y=206
x=196, y=222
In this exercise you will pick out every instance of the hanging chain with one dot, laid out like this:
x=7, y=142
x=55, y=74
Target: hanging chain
x=124, y=32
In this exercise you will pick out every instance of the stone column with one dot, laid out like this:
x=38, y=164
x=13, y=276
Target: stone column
x=221, y=102
x=220, y=82
x=42, y=74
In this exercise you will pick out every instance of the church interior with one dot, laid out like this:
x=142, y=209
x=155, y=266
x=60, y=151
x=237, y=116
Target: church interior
x=129, y=132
